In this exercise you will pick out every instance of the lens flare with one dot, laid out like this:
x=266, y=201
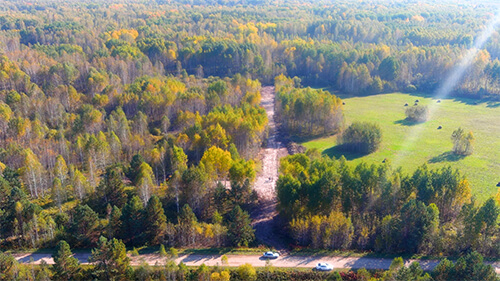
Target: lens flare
x=449, y=84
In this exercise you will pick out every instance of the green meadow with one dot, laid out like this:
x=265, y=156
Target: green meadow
x=410, y=145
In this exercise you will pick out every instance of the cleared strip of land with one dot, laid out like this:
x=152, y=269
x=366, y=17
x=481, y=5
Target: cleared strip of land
x=265, y=216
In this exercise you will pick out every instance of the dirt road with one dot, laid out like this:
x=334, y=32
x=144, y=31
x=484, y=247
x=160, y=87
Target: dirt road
x=255, y=260
x=265, y=216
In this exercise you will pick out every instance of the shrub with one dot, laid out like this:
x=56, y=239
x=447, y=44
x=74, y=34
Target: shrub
x=362, y=137
x=418, y=113
x=463, y=143
x=247, y=272
x=411, y=88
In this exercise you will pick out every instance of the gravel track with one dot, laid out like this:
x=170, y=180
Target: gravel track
x=265, y=217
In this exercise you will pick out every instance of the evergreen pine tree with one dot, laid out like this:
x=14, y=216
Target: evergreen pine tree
x=156, y=221
x=65, y=266
x=241, y=232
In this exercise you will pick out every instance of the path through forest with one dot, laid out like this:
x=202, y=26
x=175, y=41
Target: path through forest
x=265, y=217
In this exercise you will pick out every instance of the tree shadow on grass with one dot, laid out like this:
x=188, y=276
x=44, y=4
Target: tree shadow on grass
x=448, y=156
x=341, y=150
x=406, y=122
x=492, y=104
x=303, y=139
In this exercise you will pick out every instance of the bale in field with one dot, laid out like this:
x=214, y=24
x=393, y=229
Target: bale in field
x=417, y=101
x=406, y=104
x=440, y=127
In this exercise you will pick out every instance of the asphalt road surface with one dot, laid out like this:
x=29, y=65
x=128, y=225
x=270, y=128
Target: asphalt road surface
x=290, y=261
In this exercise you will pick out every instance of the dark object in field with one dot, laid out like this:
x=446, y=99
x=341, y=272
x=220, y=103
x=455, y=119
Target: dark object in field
x=383, y=161
x=343, y=103
x=294, y=148
x=416, y=100
x=438, y=101
x=406, y=104
x=440, y=127
x=498, y=184
x=415, y=104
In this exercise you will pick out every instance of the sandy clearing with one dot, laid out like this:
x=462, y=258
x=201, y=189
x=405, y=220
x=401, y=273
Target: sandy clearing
x=264, y=218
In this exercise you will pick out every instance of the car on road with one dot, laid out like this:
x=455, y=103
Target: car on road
x=323, y=266
x=270, y=255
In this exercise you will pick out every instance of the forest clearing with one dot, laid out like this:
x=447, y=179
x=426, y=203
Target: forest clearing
x=432, y=146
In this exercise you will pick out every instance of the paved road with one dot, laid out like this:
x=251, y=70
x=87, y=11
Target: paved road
x=255, y=260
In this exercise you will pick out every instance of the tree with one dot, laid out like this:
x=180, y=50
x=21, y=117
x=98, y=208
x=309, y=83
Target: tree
x=187, y=222
x=486, y=218
x=416, y=223
x=8, y=267
x=145, y=182
x=389, y=69
x=84, y=226
x=132, y=221
x=463, y=143
x=220, y=276
x=33, y=174
x=414, y=272
x=362, y=137
x=58, y=192
x=468, y=268
x=135, y=167
x=443, y=271
x=418, y=113
x=110, y=260
x=194, y=183
x=43, y=273
x=242, y=171
x=156, y=221
x=80, y=183
x=217, y=162
x=111, y=190
x=247, y=272
x=217, y=93
x=65, y=266
x=114, y=224
x=308, y=111
x=334, y=276
x=61, y=170
x=241, y=232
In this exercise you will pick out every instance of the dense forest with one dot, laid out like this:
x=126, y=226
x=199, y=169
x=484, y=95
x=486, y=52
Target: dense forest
x=132, y=123
x=330, y=204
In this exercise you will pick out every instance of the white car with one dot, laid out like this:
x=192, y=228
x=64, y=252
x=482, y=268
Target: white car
x=270, y=255
x=323, y=266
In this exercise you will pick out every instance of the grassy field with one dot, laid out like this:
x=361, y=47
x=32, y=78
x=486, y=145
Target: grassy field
x=411, y=145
